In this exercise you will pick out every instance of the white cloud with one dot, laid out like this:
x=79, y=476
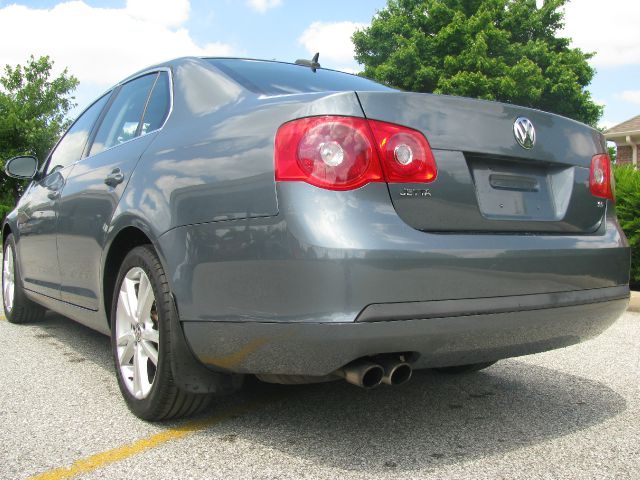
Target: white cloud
x=608, y=28
x=632, y=96
x=170, y=13
x=352, y=71
x=101, y=46
x=263, y=5
x=331, y=39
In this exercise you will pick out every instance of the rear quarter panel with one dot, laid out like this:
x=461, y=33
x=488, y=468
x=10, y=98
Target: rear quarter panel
x=213, y=161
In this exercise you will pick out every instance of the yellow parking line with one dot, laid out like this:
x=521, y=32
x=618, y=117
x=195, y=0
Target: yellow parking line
x=99, y=460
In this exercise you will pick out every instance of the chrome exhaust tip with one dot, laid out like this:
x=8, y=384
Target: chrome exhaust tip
x=362, y=373
x=396, y=372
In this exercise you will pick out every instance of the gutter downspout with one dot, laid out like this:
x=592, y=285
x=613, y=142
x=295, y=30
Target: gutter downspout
x=634, y=150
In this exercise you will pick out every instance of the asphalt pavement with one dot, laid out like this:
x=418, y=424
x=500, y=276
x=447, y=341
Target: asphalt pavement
x=571, y=413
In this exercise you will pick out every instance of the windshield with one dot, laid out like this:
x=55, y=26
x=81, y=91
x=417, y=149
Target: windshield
x=275, y=78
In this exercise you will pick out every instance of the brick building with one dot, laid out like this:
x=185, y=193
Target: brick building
x=626, y=136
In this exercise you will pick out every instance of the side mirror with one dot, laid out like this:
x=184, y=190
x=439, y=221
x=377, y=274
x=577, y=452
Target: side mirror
x=24, y=167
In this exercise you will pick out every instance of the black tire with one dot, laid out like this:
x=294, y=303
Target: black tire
x=21, y=310
x=164, y=400
x=471, y=368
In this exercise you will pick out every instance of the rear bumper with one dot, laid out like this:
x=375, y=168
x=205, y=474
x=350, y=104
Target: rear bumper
x=516, y=326
x=492, y=305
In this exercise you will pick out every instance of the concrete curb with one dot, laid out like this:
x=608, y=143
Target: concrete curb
x=634, y=303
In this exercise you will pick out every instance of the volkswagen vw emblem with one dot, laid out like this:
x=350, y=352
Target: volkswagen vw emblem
x=524, y=132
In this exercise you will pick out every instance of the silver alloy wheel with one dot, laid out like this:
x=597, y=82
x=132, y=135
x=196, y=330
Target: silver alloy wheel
x=137, y=333
x=8, y=279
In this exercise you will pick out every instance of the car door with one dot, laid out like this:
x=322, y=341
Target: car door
x=94, y=188
x=37, y=220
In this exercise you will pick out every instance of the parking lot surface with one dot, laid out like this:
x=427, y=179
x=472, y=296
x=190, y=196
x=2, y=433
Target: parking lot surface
x=572, y=413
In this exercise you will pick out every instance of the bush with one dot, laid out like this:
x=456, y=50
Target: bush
x=4, y=210
x=628, y=210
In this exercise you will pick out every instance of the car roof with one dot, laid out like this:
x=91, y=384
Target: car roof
x=202, y=59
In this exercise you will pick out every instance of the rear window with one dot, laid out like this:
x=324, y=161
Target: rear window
x=274, y=78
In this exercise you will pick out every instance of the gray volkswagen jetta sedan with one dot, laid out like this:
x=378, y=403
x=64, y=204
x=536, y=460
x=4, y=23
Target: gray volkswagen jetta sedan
x=221, y=217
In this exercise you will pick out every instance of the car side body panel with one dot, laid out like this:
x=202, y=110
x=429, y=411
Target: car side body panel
x=86, y=207
x=34, y=223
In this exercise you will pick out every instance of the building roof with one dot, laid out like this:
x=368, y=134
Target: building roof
x=631, y=126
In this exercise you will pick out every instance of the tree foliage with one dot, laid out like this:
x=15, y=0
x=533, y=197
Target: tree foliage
x=628, y=212
x=33, y=114
x=505, y=50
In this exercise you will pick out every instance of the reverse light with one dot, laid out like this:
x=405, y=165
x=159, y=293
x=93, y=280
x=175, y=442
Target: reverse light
x=332, y=153
x=344, y=153
x=600, y=178
x=403, y=154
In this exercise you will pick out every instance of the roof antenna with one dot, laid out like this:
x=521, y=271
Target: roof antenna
x=313, y=63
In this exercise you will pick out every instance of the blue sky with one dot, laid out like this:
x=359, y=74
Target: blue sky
x=103, y=41
x=275, y=33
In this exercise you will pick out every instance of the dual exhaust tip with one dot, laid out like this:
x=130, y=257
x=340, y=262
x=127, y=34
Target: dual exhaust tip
x=370, y=374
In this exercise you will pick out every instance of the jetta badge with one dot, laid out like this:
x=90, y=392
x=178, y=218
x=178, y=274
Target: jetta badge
x=524, y=132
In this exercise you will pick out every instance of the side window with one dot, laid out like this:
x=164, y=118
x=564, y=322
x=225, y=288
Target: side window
x=69, y=149
x=122, y=121
x=158, y=106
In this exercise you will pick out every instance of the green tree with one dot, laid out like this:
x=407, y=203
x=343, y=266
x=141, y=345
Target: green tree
x=628, y=213
x=33, y=114
x=505, y=50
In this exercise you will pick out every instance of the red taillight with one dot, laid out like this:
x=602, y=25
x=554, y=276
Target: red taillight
x=600, y=179
x=406, y=154
x=329, y=152
x=344, y=153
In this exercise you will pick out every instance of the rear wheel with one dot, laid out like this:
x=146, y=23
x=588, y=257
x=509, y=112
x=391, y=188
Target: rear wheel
x=470, y=368
x=17, y=307
x=140, y=324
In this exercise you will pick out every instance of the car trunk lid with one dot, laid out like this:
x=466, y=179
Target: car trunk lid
x=487, y=181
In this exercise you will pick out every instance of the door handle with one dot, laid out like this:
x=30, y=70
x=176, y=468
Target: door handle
x=115, y=178
x=53, y=195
